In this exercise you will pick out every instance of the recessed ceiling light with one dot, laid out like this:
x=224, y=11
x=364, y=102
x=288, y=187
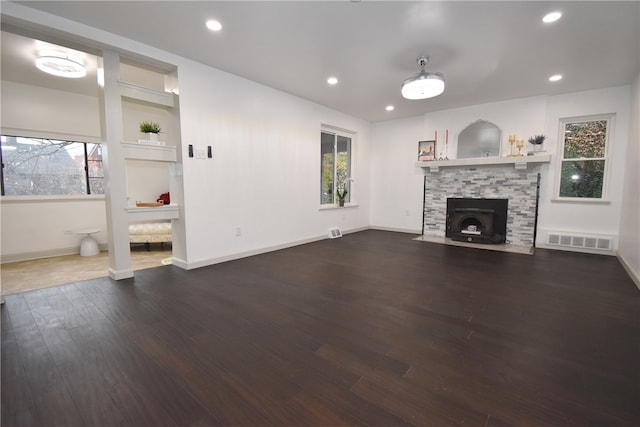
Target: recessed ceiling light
x=332, y=80
x=61, y=66
x=214, y=25
x=551, y=17
x=555, y=77
x=389, y=107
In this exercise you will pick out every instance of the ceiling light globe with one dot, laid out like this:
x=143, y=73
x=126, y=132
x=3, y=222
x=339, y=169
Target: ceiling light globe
x=423, y=85
x=551, y=17
x=332, y=80
x=214, y=25
x=389, y=108
x=555, y=78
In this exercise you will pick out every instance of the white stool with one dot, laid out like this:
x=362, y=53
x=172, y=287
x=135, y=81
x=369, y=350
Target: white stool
x=88, y=244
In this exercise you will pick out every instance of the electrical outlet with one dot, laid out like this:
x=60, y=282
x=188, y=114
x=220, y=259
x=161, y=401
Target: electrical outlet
x=238, y=232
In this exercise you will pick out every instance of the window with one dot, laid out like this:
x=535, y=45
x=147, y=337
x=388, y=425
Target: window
x=584, y=157
x=40, y=166
x=335, y=166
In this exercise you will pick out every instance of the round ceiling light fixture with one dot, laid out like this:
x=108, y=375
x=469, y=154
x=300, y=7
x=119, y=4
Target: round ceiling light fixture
x=214, y=25
x=423, y=85
x=551, y=17
x=61, y=66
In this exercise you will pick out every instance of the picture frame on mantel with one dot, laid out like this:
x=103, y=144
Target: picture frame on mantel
x=426, y=151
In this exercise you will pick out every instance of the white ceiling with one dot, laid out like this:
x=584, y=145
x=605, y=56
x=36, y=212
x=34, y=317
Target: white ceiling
x=488, y=51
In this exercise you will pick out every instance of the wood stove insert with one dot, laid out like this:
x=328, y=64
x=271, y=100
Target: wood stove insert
x=477, y=220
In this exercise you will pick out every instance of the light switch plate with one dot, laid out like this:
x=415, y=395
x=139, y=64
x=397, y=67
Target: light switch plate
x=200, y=153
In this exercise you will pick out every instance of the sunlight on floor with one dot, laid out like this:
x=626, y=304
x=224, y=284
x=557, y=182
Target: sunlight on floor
x=43, y=273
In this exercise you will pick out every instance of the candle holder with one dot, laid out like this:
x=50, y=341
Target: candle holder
x=519, y=145
x=512, y=140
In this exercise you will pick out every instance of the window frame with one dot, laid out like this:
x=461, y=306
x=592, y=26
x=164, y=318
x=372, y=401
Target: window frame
x=338, y=132
x=609, y=138
x=86, y=174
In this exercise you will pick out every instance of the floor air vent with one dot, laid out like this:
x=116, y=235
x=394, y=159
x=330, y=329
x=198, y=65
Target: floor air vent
x=573, y=241
x=334, y=233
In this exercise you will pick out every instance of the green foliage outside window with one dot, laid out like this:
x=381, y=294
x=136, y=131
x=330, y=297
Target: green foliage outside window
x=335, y=167
x=582, y=179
x=583, y=163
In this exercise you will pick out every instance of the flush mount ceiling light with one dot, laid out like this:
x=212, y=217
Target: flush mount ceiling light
x=423, y=85
x=61, y=66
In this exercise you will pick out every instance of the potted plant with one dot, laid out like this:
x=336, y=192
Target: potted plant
x=151, y=129
x=342, y=195
x=537, y=142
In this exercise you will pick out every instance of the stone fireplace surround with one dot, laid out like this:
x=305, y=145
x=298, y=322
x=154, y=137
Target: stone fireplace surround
x=497, y=181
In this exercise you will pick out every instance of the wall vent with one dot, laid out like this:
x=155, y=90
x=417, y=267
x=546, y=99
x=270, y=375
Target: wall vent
x=334, y=233
x=577, y=241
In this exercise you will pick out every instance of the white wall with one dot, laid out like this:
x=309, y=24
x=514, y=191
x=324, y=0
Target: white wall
x=395, y=147
x=38, y=110
x=629, y=247
x=586, y=218
x=265, y=170
x=397, y=186
x=42, y=228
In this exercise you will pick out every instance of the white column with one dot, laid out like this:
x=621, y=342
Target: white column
x=115, y=184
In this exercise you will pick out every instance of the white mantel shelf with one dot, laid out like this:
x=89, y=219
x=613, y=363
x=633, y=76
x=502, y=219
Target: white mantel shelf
x=519, y=163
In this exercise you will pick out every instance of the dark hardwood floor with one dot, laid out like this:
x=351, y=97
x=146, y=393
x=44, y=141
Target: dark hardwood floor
x=371, y=329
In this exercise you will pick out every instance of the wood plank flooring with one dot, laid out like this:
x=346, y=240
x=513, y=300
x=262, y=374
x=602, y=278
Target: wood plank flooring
x=372, y=329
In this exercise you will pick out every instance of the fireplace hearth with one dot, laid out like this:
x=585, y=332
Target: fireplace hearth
x=477, y=220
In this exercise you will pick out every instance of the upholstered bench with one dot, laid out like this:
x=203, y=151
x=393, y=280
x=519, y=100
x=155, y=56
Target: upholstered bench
x=150, y=232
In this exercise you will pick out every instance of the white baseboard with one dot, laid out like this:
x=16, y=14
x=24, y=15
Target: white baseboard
x=396, y=230
x=635, y=275
x=179, y=263
x=28, y=256
x=266, y=249
x=120, y=274
x=239, y=255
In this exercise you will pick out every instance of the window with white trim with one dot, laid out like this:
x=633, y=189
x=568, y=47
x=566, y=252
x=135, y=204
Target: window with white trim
x=583, y=163
x=50, y=167
x=335, y=166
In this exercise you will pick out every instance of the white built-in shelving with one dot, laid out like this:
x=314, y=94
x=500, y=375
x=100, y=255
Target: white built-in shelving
x=153, y=213
x=155, y=153
x=162, y=101
x=139, y=93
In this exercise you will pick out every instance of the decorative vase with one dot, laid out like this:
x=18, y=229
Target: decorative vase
x=341, y=202
x=152, y=136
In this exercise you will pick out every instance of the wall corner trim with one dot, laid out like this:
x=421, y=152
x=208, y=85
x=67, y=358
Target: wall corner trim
x=634, y=275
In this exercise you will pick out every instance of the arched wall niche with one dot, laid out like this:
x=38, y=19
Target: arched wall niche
x=480, y=139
